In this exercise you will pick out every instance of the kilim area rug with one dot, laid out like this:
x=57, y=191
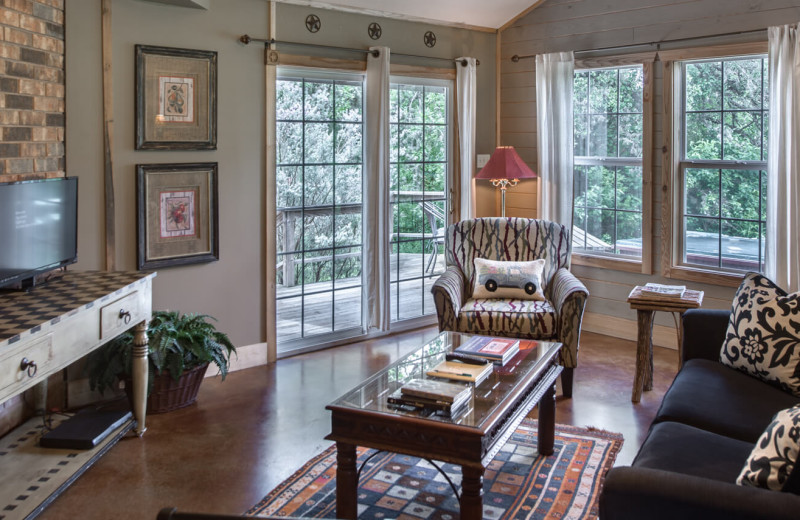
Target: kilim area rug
x=518, y=484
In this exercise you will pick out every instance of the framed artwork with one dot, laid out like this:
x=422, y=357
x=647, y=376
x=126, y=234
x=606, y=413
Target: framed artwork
x=177, y=221
x=176, y=99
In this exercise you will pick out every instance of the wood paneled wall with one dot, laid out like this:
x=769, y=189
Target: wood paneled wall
x=581, y=25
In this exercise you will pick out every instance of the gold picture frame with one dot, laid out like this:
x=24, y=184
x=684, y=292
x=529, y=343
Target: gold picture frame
x=176, y=99
x=177, y=221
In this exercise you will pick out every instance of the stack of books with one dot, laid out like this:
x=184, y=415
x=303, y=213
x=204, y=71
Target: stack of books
x=658, y=290
x=497, y=350
x=461, y=371
x=450, y=398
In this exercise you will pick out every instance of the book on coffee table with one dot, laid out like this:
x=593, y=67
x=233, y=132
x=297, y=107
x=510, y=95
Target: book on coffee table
x=497, y=350
x=459, y=371
x=454, y=394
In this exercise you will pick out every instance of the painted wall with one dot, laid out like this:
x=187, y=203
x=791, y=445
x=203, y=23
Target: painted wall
x=563, y=25
x=233, y=288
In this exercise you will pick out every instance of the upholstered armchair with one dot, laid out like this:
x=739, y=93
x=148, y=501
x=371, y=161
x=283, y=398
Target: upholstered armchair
x=557, y=318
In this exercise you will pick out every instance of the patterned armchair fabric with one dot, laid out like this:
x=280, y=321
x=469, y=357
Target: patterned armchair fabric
x=512, y=239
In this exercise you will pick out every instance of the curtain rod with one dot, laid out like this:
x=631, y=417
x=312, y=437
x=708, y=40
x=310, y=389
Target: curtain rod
x=515, y=58
x=245, y=39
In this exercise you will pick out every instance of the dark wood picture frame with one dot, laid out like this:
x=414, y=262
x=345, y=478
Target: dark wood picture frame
x=177, y=214
x=176, y=99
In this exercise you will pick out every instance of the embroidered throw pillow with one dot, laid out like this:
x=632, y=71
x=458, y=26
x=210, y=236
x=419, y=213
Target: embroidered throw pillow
x=775, y=454
x=497, y=279
x=763, y=337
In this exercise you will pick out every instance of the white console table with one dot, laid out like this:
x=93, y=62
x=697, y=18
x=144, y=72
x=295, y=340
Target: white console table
x=61, y=321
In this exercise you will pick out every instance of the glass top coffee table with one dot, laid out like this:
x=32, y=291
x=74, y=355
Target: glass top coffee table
x=363, y=417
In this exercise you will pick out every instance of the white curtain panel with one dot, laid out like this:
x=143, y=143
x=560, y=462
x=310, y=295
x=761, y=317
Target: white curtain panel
x=377, y=212
x=466, y=107
x=554, y=135
x=783, y=191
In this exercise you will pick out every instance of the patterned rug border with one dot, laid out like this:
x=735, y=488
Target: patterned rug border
x=616, y=441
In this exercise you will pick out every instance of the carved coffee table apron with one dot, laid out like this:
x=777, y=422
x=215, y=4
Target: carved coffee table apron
x=362, y=417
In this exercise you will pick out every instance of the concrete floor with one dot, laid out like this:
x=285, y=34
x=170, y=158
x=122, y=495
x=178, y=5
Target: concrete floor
x=247, y=434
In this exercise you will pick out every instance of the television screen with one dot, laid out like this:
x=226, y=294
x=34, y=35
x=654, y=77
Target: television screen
x=38, y=228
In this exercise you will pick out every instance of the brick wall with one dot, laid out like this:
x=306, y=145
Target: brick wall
x=31, y=89
x=31, y=122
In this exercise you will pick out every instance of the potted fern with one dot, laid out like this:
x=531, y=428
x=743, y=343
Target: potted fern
x=181, y=346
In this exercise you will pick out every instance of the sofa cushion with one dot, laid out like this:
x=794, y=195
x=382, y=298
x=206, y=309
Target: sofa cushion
x=681, y=448
x=498, y=279
x=763, y=337
x=774, y=456
x=711, y=396
x=513, y=318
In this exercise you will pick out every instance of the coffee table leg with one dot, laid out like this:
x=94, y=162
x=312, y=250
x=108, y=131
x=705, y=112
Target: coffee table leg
x=547, y=421
x=346, y=481
x=471, y=493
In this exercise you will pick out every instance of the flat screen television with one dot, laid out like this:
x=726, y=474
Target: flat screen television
x=38, y=229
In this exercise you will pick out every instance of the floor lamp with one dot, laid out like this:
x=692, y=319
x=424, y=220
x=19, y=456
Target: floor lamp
x=505, y=168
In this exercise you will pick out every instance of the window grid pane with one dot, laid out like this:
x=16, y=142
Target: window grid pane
x=608, y=161
x=723, y=166
x=419, y=153
x=319, y=228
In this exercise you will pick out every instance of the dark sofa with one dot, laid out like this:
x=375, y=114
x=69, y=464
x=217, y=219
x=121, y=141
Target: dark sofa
x=708, y=423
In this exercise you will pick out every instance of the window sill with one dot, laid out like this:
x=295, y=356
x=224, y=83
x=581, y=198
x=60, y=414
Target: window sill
x=605, y=262
x=704, y=276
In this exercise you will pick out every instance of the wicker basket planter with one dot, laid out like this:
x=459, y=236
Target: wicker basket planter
x=168, y=394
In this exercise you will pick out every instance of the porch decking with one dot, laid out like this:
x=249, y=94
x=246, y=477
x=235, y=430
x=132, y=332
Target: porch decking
x=322, y=308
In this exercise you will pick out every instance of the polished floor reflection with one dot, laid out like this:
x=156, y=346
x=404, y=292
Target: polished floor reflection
x=247, y=434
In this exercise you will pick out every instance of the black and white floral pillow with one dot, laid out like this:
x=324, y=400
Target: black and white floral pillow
x=763, y=337
x=775, y=454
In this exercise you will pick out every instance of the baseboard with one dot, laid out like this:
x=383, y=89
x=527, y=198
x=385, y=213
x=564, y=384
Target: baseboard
x=626, y=329
x=247, y=356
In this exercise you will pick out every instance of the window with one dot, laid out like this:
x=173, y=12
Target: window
x=319, y=127
x=609, y=151
x=719, y=214
x=419, y=169
x=320, y=283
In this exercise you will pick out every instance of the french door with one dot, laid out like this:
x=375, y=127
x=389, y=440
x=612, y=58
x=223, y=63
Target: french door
x=320, y=185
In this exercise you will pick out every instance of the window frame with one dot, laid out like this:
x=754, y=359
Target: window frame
x=674, y=165
x=450, y=153
x=305, y=75
x=618, y=262
x=307, y=64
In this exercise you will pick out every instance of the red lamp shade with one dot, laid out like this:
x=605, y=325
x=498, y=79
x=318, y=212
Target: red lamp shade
x=505, y=164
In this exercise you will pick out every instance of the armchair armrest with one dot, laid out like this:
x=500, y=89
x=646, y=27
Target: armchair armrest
x=703, y=333
x=563, y=286
x=631, y=493
x=448, y=295
x=568, y=297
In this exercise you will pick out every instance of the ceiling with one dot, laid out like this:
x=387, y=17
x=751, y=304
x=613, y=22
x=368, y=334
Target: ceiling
x=486, y=14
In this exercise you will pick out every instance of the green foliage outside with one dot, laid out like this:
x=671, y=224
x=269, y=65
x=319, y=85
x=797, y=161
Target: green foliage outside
x=319, y=172
x=726, y=118
x=608, y=125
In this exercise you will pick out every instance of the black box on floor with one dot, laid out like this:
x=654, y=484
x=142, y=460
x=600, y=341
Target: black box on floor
x=84, y=430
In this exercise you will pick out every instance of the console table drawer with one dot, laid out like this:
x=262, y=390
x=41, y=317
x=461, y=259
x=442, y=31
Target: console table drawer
x=117, y=317
x=13, y=377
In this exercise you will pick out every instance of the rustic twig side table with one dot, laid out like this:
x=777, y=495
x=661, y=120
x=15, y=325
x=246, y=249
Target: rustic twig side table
x=646, y=306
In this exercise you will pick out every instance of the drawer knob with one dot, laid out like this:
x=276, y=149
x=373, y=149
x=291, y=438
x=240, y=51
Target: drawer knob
x=125, y=316
x=28, y=366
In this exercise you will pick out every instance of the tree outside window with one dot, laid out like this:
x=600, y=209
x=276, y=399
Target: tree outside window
x=723, y=163
x=608, y=146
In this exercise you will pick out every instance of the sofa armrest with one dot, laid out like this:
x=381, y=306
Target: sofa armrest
x=631, y=493
x=568, y=296
x=703, y=333
x=448, y=295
